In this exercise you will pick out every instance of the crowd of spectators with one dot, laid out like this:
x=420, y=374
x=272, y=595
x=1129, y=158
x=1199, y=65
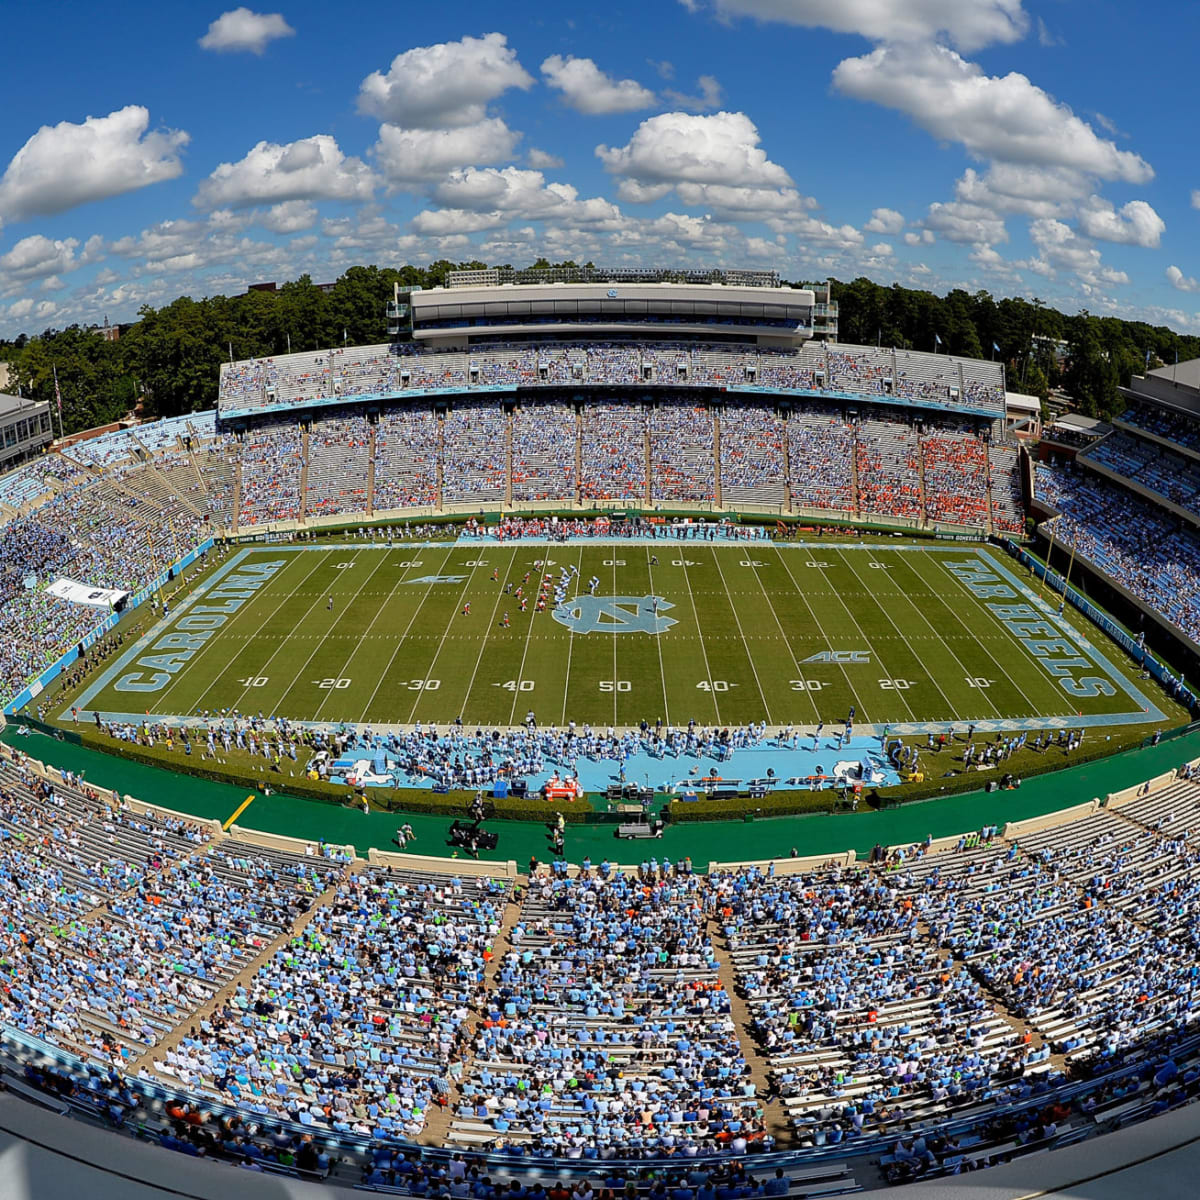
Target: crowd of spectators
x=613, y=451
x=271, y=464
x=821, y=446
x=681, y=452
x=338, y=459
x=888, y=466
x=406, y=457
x=1138, y=545
x=814, y=366
x=545, y=435
x=475, y=461
x=956, y=476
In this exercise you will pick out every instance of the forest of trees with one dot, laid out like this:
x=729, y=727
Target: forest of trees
x=170, y=357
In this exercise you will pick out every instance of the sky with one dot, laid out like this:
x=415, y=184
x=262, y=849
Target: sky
x=1028, y=147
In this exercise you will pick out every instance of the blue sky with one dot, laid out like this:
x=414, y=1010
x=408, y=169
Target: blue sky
x=1030, y=147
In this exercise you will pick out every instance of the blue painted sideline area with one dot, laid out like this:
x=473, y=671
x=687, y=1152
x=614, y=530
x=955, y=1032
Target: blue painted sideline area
x=807, y=761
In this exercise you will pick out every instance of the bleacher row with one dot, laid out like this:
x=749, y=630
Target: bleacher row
x=385, y=370
x=632, y=450
x=908, y=998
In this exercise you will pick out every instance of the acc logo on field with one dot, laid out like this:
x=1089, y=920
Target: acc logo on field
x=615, y=614
x=841, y=656
x=432, y=579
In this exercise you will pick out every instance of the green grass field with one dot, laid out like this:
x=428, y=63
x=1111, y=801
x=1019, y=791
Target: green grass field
x=785, y=634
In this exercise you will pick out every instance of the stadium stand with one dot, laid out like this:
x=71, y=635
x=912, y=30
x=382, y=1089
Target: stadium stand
x=753, y=470
x=821, y=449
x=406, y=455
x=992, y=995
x=338, y=458
x=613, y=452
x=270, y=471
x=888, y=466
x=681, y=452
x=475, y=462
x=544, y=436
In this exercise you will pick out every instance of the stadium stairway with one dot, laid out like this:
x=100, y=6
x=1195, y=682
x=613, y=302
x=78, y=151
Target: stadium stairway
x=921, y=474
x=146, y=1061
x=438, y=1120
x=371, y=469
x=774, y=1115
x=304, y=472
x=854, y=500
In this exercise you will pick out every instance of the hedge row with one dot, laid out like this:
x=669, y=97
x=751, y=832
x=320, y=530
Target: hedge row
x=776, y=804
x=397, y=800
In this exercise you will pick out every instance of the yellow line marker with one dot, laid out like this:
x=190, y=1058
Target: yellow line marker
x=241, y=808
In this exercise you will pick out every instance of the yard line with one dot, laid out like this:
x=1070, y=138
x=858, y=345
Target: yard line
x=320, y=641
x=742, y=638
x=788, y=644
x=483, y=641
x=1033, y=708
x=700, y=637
x=412, y=712
x=662, y=671
x=400, y=641
x=867, y=640
x=963, y=588
x=317, y=564
x=570, y=647
x=614, y=645
x=812, y=612
x=543, y=570
x=385, y=602
x=951, y=708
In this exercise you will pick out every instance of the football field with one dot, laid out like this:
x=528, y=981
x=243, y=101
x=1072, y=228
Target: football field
x=720, y=634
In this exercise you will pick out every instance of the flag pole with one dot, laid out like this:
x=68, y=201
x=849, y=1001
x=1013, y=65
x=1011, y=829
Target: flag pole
x=58, y=398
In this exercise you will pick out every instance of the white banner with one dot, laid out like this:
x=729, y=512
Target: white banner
x=80, y=593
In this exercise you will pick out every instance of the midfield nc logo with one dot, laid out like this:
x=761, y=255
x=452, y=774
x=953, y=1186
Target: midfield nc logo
x=615, y=614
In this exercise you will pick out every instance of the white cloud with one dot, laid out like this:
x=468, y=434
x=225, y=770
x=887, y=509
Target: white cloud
x=409, y=156
x=310, y=169
x=443, y=86
x=1196, y=198
x=542, y=160
x=475, y=199
x=1034, y=191
x=37, y=257
x=1007, y=118
x=66, y=165
x=1137, y=224
x=707, y=97
x=884, y=220
x=1061, y=248
x=1180, y=281
x=241, y=29
x=679, y=147
x=925, y=238
x=958, y=221
x=969, y=24
x=587, y=89
x=743, y=203
x=882, y=250
x=292, y=216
